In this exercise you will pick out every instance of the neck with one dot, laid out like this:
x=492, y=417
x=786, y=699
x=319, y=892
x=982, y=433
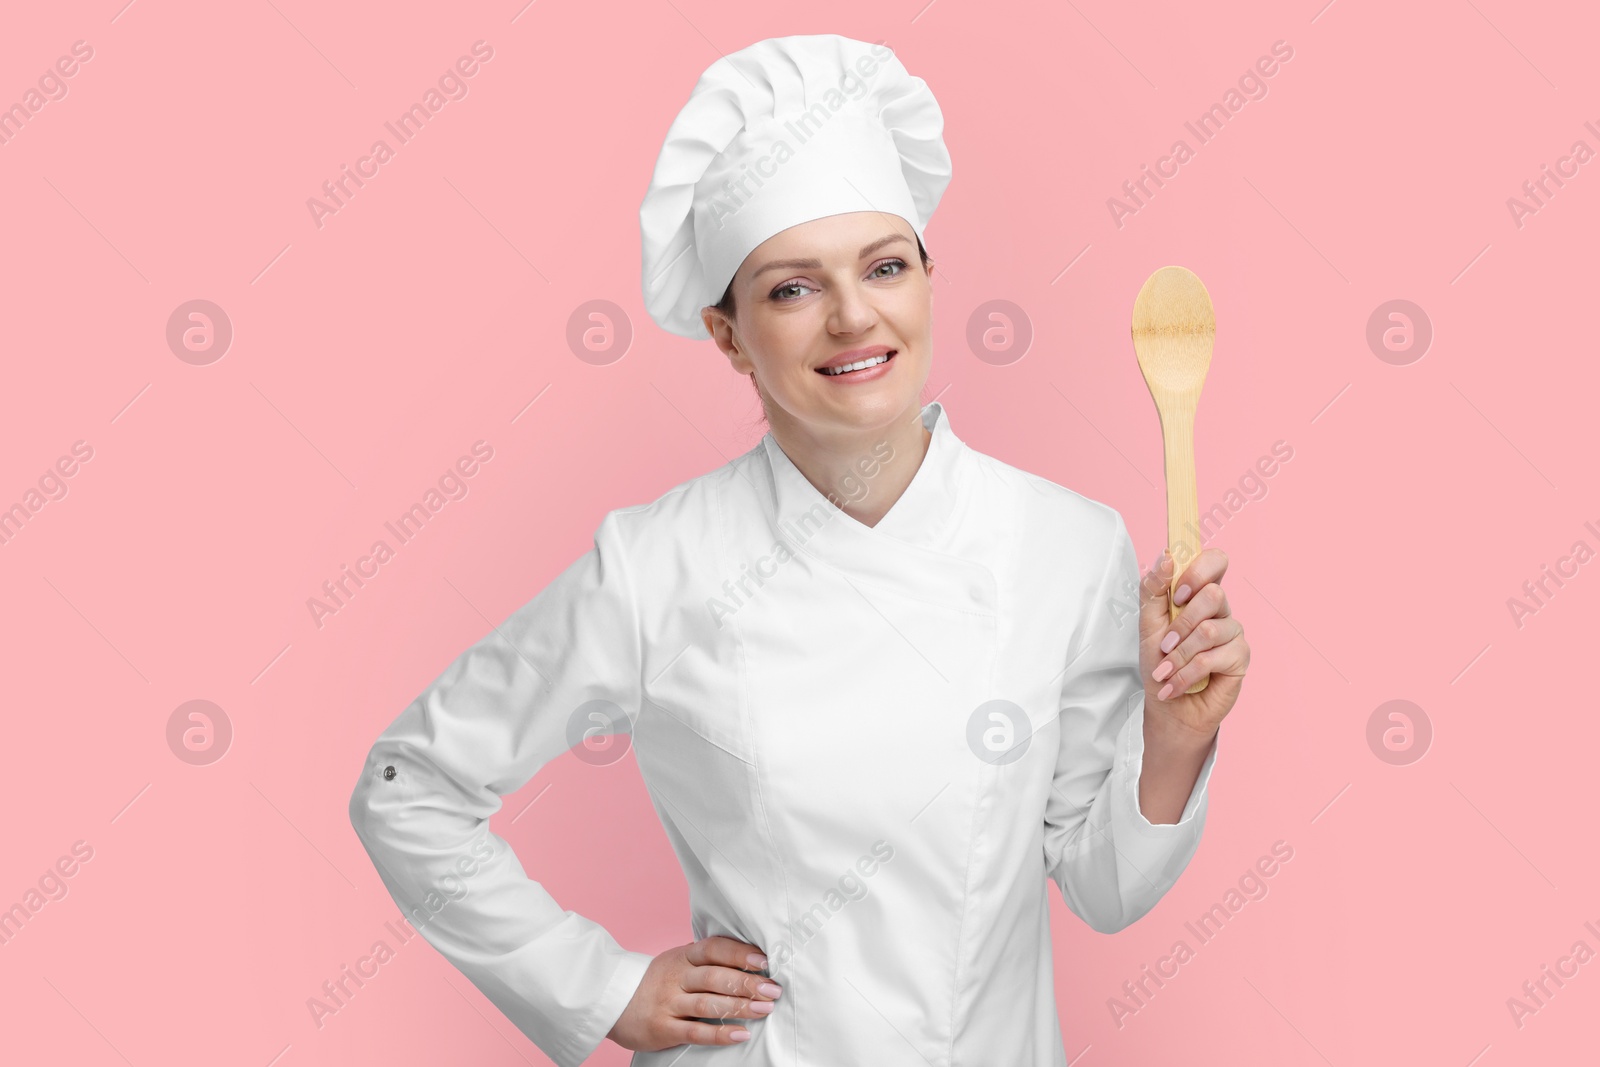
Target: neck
x=862, y=471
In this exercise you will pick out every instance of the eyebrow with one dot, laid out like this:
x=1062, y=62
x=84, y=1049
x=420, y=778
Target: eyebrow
x=816, y=264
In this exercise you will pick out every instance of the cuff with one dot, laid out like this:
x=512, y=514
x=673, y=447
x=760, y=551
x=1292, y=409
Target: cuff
x=1130, y=762
x=593, y=1026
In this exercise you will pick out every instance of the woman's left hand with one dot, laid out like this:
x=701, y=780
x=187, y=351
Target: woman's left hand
x=1205, y=640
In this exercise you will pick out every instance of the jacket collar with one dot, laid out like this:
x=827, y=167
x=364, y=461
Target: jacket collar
x=920, y=549
x=919, y=516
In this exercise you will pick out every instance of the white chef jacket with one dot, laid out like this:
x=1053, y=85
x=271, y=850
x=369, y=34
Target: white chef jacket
x=820, y=740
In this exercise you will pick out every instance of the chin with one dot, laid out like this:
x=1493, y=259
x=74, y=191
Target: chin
x=872, y=404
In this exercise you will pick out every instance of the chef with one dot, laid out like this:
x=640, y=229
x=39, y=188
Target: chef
x=883, y=689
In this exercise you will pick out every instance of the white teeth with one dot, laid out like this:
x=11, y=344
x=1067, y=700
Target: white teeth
x=848, y=367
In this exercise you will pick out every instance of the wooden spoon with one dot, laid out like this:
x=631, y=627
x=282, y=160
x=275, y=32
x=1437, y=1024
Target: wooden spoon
x=1173, y=330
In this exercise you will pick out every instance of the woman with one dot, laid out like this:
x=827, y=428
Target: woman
x=880, y=686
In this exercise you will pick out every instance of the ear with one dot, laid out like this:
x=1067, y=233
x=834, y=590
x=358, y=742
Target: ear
x=722, y=332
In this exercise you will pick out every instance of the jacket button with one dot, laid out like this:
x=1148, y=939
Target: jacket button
x=388, y=773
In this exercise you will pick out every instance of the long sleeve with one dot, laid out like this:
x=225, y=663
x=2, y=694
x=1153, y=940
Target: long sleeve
x=501, y=711
x=1112, y=863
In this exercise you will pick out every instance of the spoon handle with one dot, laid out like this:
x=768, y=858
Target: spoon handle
x=1183, y=499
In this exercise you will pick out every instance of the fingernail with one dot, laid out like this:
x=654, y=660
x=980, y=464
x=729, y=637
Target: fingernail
x=756, y=960
x=1162, y=671
x=1166, y=691
x=740, y=1035
x=762, y=1007
x=1181, y=595
x=768, y=989
x=1169, y=642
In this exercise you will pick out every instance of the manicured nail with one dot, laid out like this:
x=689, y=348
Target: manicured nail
x=1162, y=671
x=756, y=960
x=762, y=1007
x=1166, y=691
x=739, y=1035
x=1181, y=595
x=768, y=989
x=1169, y=642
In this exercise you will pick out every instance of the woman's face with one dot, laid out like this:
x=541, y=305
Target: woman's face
x=820, y=290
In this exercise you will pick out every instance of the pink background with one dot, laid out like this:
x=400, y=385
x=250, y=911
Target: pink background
x=429, y=312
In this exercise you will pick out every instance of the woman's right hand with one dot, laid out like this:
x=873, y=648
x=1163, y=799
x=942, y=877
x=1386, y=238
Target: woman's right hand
x=705, y=979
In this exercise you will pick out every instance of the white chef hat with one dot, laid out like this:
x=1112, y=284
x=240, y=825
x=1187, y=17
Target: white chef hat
x=787, y=130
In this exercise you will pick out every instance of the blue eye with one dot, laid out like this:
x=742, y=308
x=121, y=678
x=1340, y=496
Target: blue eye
x=899, y=264
x=782, y=288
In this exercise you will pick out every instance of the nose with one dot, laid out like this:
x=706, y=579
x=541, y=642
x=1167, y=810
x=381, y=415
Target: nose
x=853, y=311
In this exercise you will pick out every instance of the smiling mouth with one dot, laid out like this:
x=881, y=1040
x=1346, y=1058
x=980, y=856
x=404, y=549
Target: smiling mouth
x=850, y=368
